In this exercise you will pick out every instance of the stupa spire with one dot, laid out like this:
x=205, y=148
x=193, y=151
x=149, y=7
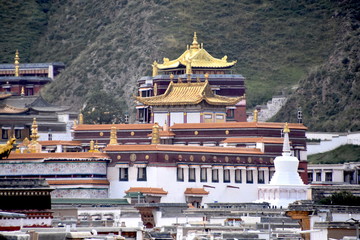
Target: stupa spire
x=195, y=44
x=286, y=145
x=17, y=63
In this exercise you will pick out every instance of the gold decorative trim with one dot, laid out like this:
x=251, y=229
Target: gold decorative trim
x=227, y=132
x=132, y=133
x=118, y=157
x=133, y=157
x=249, y=159
x=166, y=157
x=226, y=159
x=191, y=158
x=196, y=133
x=203, y=158
x=147, y=157
x=101, y=134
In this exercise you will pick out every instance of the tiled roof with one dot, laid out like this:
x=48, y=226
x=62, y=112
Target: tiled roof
x=62, y=155
x=186, y=93
x=78, y=182
x=198, y=57
x=7, y=109
x=59, y=142
x=94, y=127
x=196, y=191
x=253, y=140
x=180, y=148
x=5, y=95
x=147, y=190
x=229, y=125
x=104, y=201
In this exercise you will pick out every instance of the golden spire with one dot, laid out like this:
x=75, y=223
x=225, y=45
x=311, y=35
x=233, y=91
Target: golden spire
x=206, y=77
x=255, y=115
x=155, y=138
x=81, y=118
x=22, y=91
x=92, y=143
x=155, y=69
x=286, y=128
x=171, y=77
x=17, y=63
x=96, y=147
x=34, y=132
x=189, y=78
x=195, y=44
x=34, y=145
x=155, y=89
x=188, y=67
x=113, y=136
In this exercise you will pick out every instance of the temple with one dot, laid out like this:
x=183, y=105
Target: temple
x=28, y=78
x=205, y=91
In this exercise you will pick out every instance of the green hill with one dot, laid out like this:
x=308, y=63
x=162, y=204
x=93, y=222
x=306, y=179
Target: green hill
x=107, y=45
x=345, y=153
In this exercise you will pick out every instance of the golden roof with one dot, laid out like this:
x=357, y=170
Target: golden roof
x=7, y=109
x=188, y=94
x=196, y=56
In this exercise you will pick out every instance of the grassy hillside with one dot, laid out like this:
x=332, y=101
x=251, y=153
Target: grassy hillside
x=346, y=153
x=330, y=94
x=109, y=44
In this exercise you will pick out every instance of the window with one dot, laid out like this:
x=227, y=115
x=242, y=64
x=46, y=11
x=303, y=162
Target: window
x=17, y=133
x=180, y=174
x=141, y=176
x=230, y=113
x=192, y=176
x=261, y=177
x=123, y=174
x=215, y=175
x=318, y=176
x=271, y=174
x=29, y=92
x=328, y=176
x=226, y=175
x=310, y=177
x=238, y=175
x=208, y=116
x=249, y=176
x=203, y=174
x=4, y=134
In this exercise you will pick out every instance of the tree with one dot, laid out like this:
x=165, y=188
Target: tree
x=103, y=108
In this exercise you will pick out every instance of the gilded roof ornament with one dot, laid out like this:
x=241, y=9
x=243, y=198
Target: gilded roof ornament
x=171, y=77
x=286, y=128
x=155, y=68
x=17, y=63
x=179, y=80
x=81, y=118
x=22, y=91
x=92, y=144
x=155, y=137
x=155, y=89
x=195, y=44
x=34, y=145
x=206, y=75
x=255, y=119
x=113, y=136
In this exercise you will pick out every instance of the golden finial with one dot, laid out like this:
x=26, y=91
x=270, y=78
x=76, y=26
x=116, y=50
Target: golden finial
x=96, y=147
x=286, y=128
x=206, y=77
x=34, y=145
x=92, y=143
x=75, y=123
x=195, y=44
x=22, y=91
x=255, y=115
x=155, y=89
x=179, y=80
x=81, y=118
x=17, y=63
x=188, y=67
x=34, y=131
x=155, y=69
x=189, y=78
x=155, y=137
x=113, y=136
x=171, y=77
x=198, y=79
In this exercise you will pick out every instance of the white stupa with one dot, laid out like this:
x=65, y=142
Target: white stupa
x=285, y=186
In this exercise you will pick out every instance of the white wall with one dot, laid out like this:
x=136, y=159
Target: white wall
x=176, y=117
x=330, y=141
x=160, y=118
x=193, y=117
x=165, y=177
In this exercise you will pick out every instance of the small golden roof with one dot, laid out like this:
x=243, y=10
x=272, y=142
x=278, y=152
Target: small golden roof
x=188, y=93
x=195, y=57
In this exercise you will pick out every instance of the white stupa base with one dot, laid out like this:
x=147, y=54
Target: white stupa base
x=282, y=195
